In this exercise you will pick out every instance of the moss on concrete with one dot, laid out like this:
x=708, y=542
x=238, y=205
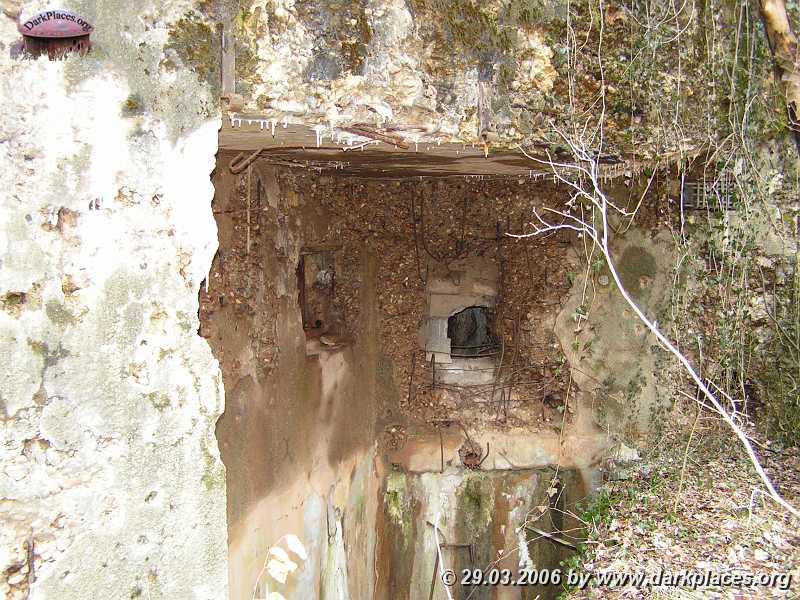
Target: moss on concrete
x=636, y=266
x=198, y=45
x=397, y=504
x=123, y=45
x=159, y=400
x=214, y=472
x=58, y=314
x=475, y=505
x=14, y=303
x=246, y=50
x=476, y=32
x=133, y=105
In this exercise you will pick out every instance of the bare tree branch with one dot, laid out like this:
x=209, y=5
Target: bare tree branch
x=600, y=236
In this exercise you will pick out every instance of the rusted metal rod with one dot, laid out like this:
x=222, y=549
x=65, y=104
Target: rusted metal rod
x=240, y=163
x=411, y=378
x=372, y=134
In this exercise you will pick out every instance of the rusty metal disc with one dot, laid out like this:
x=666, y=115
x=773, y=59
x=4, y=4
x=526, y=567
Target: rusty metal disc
x=55, y=24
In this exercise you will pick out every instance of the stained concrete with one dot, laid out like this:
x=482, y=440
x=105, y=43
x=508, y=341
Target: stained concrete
x=300, y=436
x=475, y=520
x=112, y=485
x=508, y=450
x=612, y=355
x=296, y=438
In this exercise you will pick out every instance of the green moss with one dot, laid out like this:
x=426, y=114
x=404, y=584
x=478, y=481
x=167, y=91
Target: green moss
x=198, y=46
x=398, y=505
x=58, y=314
x=14, y=299
x=184, y=320
x=506, y=75
x=475, y=504
x=477, y=32
x=635, y=264
x=529, y=13
x=635, y=386
x=360, y=505
x=395, y=497
x=37, y=347
x=246, y=29
x=50, y=357
x=780, y=363
x=14, y=302
x=160, y=400
x=214, y=473
x=122, y=44
x=472, y=25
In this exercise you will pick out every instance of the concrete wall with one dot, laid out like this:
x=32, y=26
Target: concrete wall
x=298, y=430
x=484, y=518
x=314, y=435
x=491, y=71
x=111, y=481
x=613, y=357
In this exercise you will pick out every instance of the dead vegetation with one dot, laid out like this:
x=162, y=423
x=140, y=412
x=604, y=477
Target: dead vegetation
x=701, y=515
x=405, y=225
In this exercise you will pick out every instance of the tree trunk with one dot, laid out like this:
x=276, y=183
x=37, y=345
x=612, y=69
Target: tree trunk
x=786, y=54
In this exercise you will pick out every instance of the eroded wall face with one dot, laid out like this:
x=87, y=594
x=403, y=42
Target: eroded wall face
x=111, y=481
x=317, y=413
x=297, y=434
x=408, y=228
x=477, y=520
x=500, y=72
x=328, y=413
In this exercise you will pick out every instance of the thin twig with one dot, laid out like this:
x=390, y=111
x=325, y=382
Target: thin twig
x=550, y=536
x=686, y=459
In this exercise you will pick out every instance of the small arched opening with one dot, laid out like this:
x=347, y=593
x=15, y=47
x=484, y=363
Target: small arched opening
x=471, y=333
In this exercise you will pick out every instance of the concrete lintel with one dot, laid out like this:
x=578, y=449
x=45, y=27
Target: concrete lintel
x=446, y=305
x=520, y=449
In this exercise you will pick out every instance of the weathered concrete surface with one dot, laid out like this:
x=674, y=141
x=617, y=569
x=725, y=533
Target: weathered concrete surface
x=481, y=518
x=494, y=72
x=610, y=352
x=509, y=450
x=337, y=152
x=111, y=484
x=297, y=436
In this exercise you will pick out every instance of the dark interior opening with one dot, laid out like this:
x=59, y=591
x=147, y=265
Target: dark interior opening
x=471, y=333
x=316, y=279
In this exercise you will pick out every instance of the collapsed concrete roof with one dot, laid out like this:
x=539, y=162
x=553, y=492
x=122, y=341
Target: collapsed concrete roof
x=436, y=79
x=378, y=153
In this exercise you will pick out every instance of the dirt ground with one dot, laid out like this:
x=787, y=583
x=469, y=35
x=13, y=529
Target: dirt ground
x=694, y=503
